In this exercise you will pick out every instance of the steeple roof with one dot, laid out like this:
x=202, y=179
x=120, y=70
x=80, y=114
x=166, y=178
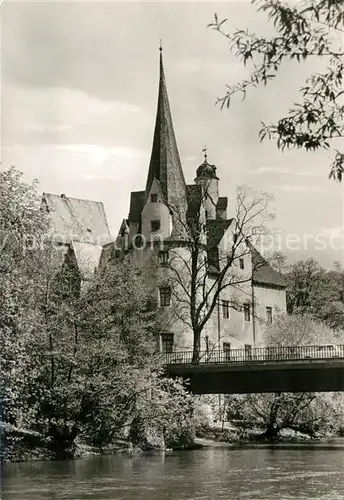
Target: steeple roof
x=165, y=163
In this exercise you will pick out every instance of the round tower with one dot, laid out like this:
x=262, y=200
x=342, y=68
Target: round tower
x=207, y=178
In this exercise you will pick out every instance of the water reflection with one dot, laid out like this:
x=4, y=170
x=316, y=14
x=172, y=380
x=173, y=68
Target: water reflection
x=201, y=474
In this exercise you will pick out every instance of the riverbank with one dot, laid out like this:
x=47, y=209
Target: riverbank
x=333, y=444
x=233, y=437
x=30, y=447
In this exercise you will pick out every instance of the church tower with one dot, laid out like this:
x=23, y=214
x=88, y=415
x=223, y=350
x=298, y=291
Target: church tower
x=165, y=196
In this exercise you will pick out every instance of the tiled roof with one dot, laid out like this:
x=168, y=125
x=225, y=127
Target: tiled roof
x=76, y=219
x=137, y=199
x=222, y=203
x=165, y=163
x=108, y=253
x=87, y=256
x=263, y=274
x=215, y=232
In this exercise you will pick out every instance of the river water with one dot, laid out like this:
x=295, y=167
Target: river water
x=205, y=474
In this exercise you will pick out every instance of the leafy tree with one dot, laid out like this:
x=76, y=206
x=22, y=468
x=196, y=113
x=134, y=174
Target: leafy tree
x=304, y=30
x=309, y=286
x=75, y=361
x=22, y=228
x=312, y=413
x=315, y=291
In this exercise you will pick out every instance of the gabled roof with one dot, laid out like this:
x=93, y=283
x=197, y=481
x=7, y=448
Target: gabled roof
x=108, y=254
x=87, y=257
x=194, y=199
x=221, y=208
x=215, y=231
x=263, y=274
x=222, y=203
x=165, y=163
x=76, y=219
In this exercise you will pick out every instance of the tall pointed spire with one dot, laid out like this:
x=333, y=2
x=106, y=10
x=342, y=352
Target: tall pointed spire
x=165, y=163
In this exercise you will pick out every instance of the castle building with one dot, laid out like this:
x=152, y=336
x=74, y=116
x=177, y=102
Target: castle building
x=162, y=214
x=183, y=234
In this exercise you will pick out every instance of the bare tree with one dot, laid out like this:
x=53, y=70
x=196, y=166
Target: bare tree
x=208, y=261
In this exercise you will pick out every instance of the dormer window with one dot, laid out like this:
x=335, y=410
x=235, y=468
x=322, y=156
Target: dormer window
x=154, y=197
x=155, y=225
x=123, y=232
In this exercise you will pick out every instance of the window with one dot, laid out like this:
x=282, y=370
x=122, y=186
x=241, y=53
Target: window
x=241, y=263
x=163, y=257
x=207, y=344
x=167, y=342
x=247, y=312
x=206, y=214
x=248, y=351
x=227, y=350
x=269, y=314
x=123, y=232
x=165, y=296
x=154, y=197
x=155, y=225
x=225, y=308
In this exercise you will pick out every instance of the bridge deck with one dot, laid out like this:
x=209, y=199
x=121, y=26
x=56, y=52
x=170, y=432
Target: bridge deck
x=287, y=369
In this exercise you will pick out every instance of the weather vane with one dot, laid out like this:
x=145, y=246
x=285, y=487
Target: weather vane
x=204, y=150
x=160, y=46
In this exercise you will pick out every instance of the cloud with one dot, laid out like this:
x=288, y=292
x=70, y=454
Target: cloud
x=304, y=174
x=98, y=153
x=58, y=115
x=270, y=169
x=79, y=104
x=299, y=189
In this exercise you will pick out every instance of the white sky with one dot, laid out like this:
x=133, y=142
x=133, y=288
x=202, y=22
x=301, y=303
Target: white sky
x=79, y=95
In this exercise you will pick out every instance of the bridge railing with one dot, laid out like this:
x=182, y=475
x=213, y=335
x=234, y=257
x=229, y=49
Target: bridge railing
x=278, y=353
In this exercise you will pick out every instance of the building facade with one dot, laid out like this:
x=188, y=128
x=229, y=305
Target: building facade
x=157, y=234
